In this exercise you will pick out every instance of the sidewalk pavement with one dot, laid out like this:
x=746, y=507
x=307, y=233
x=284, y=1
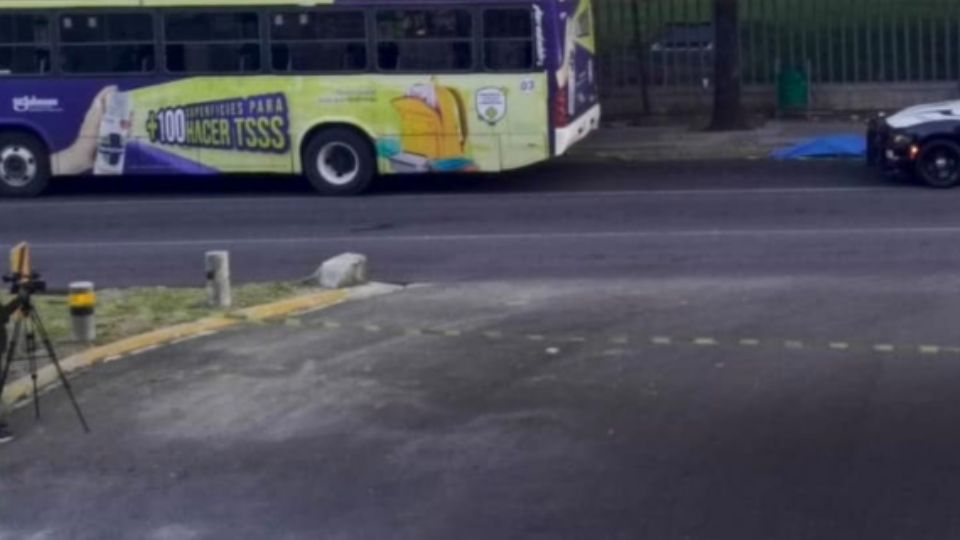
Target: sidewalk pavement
x=682, y=142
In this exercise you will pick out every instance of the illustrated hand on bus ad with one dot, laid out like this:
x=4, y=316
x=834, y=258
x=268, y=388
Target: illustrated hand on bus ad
x=102, y=139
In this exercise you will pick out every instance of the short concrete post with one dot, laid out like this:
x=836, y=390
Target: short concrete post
x=218, y=279
x=83, y=307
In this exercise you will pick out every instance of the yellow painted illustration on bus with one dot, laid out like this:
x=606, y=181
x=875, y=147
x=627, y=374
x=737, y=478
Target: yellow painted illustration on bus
x=416, y=123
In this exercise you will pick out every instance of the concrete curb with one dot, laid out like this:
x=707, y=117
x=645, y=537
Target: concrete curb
x=22, y=388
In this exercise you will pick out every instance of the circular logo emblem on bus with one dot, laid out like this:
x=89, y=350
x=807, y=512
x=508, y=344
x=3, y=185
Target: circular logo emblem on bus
x=491, y=105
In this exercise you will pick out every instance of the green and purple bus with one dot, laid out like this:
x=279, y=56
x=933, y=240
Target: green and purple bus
x=338, y=90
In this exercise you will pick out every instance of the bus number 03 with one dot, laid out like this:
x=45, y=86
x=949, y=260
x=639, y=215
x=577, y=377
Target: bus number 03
x=173, y=126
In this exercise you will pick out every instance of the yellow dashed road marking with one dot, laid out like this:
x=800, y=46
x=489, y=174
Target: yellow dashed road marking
x=929, y=349
x=705, y=342
x=839, y=346
x=331, y=324
x=661, y=340
x=750, y=342
x=372, y=328
x=884, y=348
x=452, y=333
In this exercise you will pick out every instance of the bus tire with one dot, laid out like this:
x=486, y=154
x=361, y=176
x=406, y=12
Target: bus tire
x=339, y=161
x=24, y=165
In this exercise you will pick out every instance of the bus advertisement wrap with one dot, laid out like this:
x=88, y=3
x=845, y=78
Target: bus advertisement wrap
x=338, y=94
x=210, y=125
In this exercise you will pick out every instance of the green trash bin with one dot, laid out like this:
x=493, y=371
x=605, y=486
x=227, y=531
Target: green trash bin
x=793, y=90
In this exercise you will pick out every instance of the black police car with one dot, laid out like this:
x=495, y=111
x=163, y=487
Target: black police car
x=923, y=141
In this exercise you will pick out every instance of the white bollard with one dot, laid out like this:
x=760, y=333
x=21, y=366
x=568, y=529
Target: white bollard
x=83, y=307
x=218, y=279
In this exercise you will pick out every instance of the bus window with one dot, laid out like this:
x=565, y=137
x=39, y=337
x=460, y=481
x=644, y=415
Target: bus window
x=432, y=40
x=24, y=44
x=212, y=42
x=508, y=40
x=106, y=43
x=318, y=41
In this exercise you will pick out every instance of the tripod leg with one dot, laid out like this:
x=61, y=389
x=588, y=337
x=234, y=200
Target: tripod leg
x=36, y=397
x=48, y=345
x=10, y=353
x=30, y=344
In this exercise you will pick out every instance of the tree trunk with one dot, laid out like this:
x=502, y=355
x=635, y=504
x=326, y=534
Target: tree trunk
x=643, y=57
x=727, y=107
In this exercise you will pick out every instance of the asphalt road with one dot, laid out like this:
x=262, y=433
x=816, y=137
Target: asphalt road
x=694, y=352
x=667, y=409
x=559, y=220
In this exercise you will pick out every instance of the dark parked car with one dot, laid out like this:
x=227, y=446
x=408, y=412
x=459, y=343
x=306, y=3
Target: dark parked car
x=923, y=141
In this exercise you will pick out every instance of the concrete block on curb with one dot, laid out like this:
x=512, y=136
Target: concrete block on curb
x=346, y=270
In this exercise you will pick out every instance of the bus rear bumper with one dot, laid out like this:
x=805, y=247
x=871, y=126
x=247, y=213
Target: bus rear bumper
x=578, y=130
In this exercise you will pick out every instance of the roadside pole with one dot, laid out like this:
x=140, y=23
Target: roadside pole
x=83, y=305
x=218, y=279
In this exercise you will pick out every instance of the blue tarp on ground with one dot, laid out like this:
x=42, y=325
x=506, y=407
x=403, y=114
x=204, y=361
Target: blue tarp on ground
x=833, y=146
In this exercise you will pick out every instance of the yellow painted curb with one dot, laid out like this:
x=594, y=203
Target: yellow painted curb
x=292, y=305
x=23, y=388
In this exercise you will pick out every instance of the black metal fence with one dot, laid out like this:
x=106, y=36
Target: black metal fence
x=670, y=43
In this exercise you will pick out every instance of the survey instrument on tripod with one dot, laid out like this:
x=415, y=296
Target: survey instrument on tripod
x=29, y=338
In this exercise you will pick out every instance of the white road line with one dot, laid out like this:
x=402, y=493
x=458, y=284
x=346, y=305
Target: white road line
x=538, y=237
x=466, y=195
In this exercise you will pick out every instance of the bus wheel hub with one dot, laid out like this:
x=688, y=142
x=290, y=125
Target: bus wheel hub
x=17, y=166
x=338, y=163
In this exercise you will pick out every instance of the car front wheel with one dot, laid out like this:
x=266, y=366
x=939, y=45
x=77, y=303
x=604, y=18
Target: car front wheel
x=938, y=164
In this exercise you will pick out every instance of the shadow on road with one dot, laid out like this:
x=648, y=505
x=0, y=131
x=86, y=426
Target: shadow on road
x=557, y=176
